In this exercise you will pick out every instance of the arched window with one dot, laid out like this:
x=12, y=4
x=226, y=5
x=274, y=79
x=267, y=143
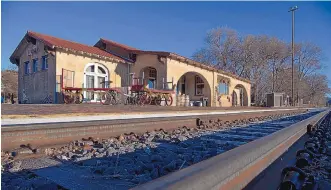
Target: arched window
x=95, y=76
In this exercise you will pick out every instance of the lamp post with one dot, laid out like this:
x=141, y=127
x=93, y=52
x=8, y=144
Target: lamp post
x=293, y=9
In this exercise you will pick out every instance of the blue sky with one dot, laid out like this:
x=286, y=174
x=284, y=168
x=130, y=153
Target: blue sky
x=169, y=26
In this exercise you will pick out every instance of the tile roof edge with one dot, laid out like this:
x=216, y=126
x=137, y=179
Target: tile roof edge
x=124, y=46
x=33, y=34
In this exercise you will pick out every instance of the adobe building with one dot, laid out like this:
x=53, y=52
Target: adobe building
x=47, y=63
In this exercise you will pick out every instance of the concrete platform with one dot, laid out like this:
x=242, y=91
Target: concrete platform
x=130, y=115
x=49, y=110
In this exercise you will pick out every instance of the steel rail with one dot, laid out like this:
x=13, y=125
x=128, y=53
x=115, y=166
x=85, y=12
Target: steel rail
x=234, y=169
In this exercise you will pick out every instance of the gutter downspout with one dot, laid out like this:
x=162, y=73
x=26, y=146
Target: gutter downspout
x=56, y=94
x=128, y=78
x=214, y=98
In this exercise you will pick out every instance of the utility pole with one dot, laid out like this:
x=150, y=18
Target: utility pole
x=293, y=9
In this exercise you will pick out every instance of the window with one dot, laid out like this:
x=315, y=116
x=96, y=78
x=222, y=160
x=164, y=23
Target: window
x=151, y=77
x=199, y=85
x=90, y=69
x=26, y=68
x=223, y=88
x=101, y=70
x=45, y=62
x=96, y=76
x=89, y=84
x=152, y=73
x=35, y=65
x=101, y=81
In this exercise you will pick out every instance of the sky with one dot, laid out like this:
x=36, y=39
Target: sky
x=178, y=27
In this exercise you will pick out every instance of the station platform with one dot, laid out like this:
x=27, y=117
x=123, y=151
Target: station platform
x=37, y=114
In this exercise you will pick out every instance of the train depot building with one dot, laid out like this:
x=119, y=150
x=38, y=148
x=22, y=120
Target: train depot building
x=47, y=65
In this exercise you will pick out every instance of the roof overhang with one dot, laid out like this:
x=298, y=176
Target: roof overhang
x=26, y=39
x=190, y=62
x=19, y=50
x=210, y=68
x=161, y=53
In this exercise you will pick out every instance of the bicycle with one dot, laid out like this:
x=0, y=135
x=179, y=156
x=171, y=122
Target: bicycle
x=158, y=97
x=70, y=97
x=112, y=97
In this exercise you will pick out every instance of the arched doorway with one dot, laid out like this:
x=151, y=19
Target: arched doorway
x=234, y=99
x=195, y=86
x=241, y=98
x=95, y=75
x=149, y=75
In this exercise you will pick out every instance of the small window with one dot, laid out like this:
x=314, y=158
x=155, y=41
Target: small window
x=26, y=68
x=199, y=85
x=45, y=62
x=35, y=65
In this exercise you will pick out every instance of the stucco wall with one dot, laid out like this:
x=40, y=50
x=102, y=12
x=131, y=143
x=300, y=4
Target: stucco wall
x=36, y=85
x=177, y=69
x=146, y=60
x=76, y=62
x=190, y=87
x=232, y=86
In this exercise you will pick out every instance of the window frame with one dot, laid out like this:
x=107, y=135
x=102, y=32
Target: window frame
x=35, y=65
x=198, y=81
x=225, y=86
x=26, y=67
x=44, y=62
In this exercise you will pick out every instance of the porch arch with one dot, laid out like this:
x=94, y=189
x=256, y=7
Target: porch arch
x=240, y=92
x=195, y=85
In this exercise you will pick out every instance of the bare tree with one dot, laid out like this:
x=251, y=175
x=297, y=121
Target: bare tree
x=308, y=61
x=222, y=46
x=12, y=67
x=266, y=61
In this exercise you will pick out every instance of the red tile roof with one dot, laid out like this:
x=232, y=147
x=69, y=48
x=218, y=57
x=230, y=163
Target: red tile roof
x=118, y=44
x=57, y=42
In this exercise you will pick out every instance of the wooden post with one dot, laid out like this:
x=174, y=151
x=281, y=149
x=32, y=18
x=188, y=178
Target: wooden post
x=61, y=80
x=163, y=83
x=172, y=82
x=143, y=77
x=55, y=93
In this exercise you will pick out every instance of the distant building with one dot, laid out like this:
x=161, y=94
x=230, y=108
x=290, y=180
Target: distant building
x=47, y=63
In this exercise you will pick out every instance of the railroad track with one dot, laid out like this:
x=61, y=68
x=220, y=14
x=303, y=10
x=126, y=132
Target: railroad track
x=184, y=150
x=46, y=134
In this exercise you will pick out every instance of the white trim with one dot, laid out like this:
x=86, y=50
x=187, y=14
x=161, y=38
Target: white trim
x=95, y=74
